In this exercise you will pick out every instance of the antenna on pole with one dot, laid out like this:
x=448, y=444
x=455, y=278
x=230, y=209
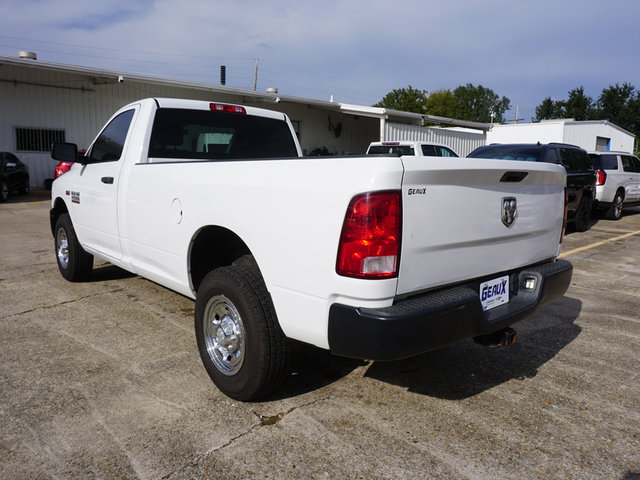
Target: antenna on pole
x=516, y=119
x=255, y=77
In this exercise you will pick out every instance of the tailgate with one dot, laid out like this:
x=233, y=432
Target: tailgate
x=453, y=209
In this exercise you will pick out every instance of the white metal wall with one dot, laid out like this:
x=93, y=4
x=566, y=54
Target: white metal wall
x=584, y=134
x=461, y=142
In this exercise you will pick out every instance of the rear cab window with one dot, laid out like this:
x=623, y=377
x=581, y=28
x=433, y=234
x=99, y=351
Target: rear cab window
x=211, y=135
x=391, y=149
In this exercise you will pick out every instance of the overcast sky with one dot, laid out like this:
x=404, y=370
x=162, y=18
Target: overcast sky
x=356, y=51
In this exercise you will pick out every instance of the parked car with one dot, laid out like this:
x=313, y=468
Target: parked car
x=617, y=182
x=419, y=149
x=14, y=176
x=581, y=177
x=63, y=167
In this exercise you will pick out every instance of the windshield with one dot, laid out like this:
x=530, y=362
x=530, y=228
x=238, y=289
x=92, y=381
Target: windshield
x=523, y=153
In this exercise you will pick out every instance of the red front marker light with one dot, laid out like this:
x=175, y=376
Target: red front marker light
x=370, y=240
x=222, y=107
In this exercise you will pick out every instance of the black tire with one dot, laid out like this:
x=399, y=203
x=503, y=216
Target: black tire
x=4, y=191
x=615, y=210
x=583, y=215
x=241, y=344
x=25, y=187
x=74, y=263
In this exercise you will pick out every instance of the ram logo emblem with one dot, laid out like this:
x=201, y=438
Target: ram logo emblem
x=509, y=210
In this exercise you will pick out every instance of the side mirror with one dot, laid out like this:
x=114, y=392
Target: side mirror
x=65, y=152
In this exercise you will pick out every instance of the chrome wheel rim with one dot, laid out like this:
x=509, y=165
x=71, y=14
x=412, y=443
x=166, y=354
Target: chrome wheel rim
x=224, y=335
x=617, y=207
x=62, y=250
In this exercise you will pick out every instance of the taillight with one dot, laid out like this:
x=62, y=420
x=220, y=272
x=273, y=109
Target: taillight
x=222, y=107
x=564, y=218
x=370, y=240
x=601, y=177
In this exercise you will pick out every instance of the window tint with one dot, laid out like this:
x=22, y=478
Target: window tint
x=445, y=152
x=567, y=159
x=395, y=149
x=552, y=156
x=204, y=134
x=605, y=162
x=108, y=146
x=581, y=160
x=630, y=164
x=508, y=152
x=429, y=150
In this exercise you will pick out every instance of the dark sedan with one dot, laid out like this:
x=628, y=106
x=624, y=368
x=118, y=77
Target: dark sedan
x=14, y=176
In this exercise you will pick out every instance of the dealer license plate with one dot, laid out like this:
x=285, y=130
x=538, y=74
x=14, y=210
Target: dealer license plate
x=494, y=293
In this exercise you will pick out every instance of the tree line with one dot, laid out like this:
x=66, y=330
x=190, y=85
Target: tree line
x=619, y=104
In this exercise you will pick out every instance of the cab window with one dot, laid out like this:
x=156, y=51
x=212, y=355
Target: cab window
x=109, y=145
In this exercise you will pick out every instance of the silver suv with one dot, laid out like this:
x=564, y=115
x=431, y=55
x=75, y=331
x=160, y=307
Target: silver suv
x=617, y=181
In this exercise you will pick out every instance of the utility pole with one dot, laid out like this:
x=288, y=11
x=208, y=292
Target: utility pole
x=516, y=119
x=255, y=77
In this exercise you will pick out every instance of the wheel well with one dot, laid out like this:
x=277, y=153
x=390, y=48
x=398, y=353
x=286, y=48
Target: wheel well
x=211, y=248
x=621, y=191
x=59, y=207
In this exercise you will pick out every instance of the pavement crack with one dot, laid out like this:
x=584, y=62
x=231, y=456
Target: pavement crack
x=194, y=463
x=66, y=302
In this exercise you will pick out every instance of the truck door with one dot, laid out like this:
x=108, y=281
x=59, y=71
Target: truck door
x=95, y=200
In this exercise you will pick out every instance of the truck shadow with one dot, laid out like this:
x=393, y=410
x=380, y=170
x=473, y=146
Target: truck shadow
x=466, y=369
x=455, y=372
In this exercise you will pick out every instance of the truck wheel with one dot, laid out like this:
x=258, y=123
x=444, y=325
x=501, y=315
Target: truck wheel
x=74, y=263
x=615, y=211
x=241, y=344
x=583, y=215
x=4, y=191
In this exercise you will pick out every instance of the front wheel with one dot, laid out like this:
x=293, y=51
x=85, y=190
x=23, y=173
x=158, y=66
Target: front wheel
x=74, y=263
x=241, y=345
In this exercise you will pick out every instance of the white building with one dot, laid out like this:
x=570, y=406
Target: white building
x=44, y=102
x=590, y=135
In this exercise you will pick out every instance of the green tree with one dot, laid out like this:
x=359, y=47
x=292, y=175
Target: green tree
x=549, y=109
x=477, y=103
x=405, y=99
x=579, y=106
x=617, y=103
x=442, y=103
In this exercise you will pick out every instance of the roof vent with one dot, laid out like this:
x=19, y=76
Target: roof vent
x=272, y=90
x=28, y=55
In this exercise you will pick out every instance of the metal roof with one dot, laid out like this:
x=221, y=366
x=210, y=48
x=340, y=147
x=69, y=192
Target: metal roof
x=100, y=76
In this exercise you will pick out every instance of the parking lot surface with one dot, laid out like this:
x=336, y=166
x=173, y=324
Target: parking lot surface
x=103, y=380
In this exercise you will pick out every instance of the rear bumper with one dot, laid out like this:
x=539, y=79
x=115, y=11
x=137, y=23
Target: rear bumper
x=439, y=318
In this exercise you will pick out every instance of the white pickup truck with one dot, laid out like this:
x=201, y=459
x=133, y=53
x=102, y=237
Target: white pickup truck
x=378, y=257
x=419, y=149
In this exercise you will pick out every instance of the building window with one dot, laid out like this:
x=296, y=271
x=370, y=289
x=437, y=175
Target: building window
x=37, y=139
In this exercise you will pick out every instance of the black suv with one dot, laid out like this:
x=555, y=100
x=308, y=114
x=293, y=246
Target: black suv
x=14, y=176
x=581, y=177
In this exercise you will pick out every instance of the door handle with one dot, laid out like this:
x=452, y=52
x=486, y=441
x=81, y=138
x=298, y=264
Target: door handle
x=108, y=180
